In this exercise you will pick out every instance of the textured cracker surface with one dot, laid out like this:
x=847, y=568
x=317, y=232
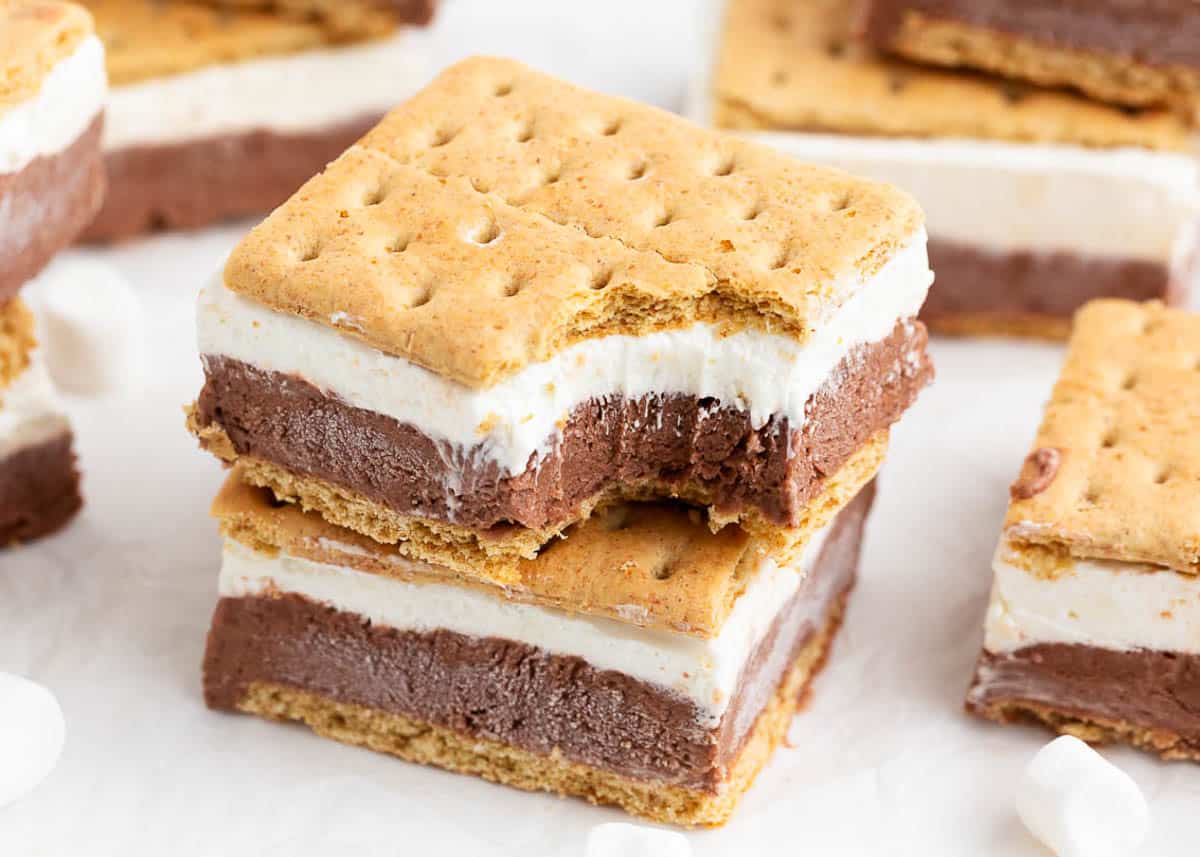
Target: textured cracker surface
x=648, y=564
x=498, y=556
x=35, y=35
x=146, y=39
x=427, y=744
x=1023, y=326
x=16, y=341
x=501, y=215
x=794, y=64
x=1101, y=75
x=1094, y=730
x=342, y=19
x=1125, y=415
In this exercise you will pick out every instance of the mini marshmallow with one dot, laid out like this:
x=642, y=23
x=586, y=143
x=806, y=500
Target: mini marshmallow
x=32, y=732
x=618, y=839
x=90, y=327
x=1078, y=804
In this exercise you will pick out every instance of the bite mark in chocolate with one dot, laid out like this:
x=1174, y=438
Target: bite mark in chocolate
x=676, y=438
x=1037, y=473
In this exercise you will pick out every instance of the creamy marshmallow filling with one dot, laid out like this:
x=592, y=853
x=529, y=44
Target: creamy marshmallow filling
x=71, y=96
x=285, y=94
x=706, y=671
x=1100, y=603
x=1023, y=197
x=765, y=374
x=30, y=413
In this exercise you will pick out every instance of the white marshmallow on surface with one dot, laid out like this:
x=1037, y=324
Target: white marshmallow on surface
x=90, y=327
x=1078, y=804
x=618, y=839
x=32, y=732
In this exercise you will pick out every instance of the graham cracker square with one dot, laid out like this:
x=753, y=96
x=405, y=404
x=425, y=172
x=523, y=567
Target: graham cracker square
x=501, y=215
x=1115, y=472
x=799, y=65
x=35, y=35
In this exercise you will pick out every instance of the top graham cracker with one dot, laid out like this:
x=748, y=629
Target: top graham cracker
x=1115, y=472
x=34, y=38
x=648, y=564
x=796, y=65
x=346, y=19
x=501, y=215
x=145, y=39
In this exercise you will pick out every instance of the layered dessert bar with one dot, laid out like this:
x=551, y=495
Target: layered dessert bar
x=1136, y=54
x=39, y=485
x=52, y=90
x=1092, y=627
x=660, y=684
x=1037, y=201
x=218, y=113
x=515, y=301
x=346, y=18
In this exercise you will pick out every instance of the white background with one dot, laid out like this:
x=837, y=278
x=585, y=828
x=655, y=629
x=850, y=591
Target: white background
x=112, y=614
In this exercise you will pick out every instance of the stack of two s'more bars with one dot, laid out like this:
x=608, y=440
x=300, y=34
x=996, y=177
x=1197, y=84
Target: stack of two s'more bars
x=1050, y=143
x=222, y=108
x=52, y=88
x=553, y=422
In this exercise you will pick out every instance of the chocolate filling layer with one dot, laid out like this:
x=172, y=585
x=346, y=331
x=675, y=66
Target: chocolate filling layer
x=199, y=182
x=1156, y=32
x=45, y=205
x=513, y=692
x=1152, y=689
x=39, y=490
x=676, y=438
x=971, y=280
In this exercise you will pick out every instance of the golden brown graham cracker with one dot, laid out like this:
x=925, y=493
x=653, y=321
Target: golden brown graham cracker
x=1105, y=76
x=428, y=744
x=1023, y=325
x=146, y=39
x=502, y=215
x=1094, y=730
x=796, y=65
x=500, y=556
x=346, y=19
x=1115, y=471
x=35, y=35
x=654, y=565
x=16, y=341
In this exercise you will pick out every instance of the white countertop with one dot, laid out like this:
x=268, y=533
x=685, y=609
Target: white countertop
x=112, y=614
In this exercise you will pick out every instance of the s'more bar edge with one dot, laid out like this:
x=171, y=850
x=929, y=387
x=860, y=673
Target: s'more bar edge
x=1092, y=626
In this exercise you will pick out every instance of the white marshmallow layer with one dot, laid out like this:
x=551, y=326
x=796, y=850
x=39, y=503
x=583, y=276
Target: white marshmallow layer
x=30, y=412
x=71, y=96
x=285, y=94
x=1105, y=604
x=704, y=670
x=1011, y=197
x=762, y=373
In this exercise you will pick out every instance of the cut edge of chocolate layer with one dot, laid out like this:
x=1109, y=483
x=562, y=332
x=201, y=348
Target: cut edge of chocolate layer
x=39, y=490
x=691, y=447
x=1146, y=698
x=981, y=292
x=426, y=743
x=199, y=182
x=46, y=205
